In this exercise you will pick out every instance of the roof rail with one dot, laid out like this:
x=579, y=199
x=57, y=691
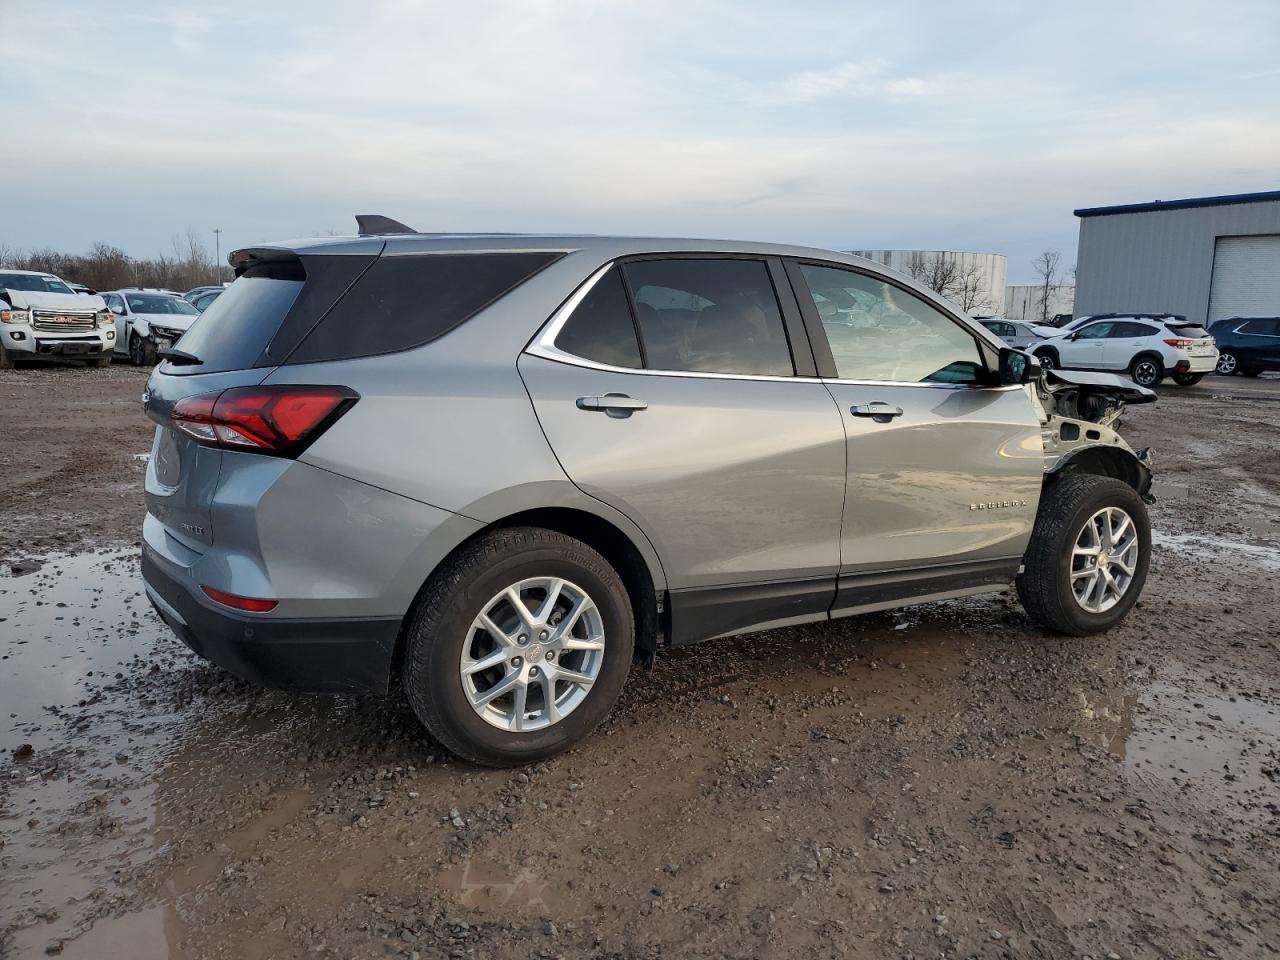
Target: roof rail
x=374, y=224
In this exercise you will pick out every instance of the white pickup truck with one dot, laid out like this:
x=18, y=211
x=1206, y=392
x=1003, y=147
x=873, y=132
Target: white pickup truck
x=41, y=316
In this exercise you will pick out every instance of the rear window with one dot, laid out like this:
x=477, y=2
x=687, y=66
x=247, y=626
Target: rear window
x=601, y=328
x=403, y=302
x=234, y=331
x=1192, y=331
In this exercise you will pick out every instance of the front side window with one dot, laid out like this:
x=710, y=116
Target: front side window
x=879, y=331
x=709, y=315
x=601, y=328
x=1095, y=331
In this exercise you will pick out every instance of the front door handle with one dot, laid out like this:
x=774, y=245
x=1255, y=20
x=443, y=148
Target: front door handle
x=877, y=410
x=616, y=405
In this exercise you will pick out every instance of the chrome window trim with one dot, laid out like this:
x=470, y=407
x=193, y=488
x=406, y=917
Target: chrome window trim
x=543, y=345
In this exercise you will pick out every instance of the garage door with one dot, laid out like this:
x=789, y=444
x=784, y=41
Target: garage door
x=1246, y=277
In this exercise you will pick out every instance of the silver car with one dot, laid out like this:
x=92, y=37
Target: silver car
x=497, y=469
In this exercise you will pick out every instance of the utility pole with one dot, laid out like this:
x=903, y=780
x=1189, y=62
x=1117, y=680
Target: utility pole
x=217, y=256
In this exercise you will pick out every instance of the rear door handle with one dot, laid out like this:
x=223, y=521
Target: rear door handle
x=877, y=410
x=617, y=405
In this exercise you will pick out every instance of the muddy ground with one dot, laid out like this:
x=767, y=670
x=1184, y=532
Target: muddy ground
x=943, y=781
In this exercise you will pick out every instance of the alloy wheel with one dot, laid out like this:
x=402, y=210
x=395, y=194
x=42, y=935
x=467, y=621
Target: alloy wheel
x=533, y=654
x=1046, y=361
x=1104, y=559
x=1145, y=373
x=1227, y=364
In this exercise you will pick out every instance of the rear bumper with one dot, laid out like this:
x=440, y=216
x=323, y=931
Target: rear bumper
x=321, y=656
x=1197, y=364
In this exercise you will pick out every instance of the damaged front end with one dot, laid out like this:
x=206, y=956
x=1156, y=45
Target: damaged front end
x=1078, y=412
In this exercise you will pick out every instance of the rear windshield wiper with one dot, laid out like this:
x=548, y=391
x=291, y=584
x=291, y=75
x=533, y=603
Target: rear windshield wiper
x=179, y=358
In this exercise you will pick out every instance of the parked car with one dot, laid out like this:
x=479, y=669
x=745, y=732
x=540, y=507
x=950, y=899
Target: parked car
x=148, y=321
x=494, y=469
x=1147, y=348
x=201, y=301
x=1247, y=345
x=1018, y=333
x=194, y=292
x=41, y=316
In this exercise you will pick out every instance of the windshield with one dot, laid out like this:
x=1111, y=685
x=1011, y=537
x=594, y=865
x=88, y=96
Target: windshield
x=141, y=303
x=33, y=283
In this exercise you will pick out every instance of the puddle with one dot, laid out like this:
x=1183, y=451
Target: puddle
x=151, y=934
x=1260, y=554
x=76, y=801
x=1186, y=731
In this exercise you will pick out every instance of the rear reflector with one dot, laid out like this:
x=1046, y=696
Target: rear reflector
x=278, y=420
x=251, y=604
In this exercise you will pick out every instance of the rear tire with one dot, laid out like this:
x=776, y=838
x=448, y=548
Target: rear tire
x=1146, y=370
x=1055, y=567
x=1187, y=379
x=442, y=638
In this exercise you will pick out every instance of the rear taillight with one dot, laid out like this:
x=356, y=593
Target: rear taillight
x=1179, y=342
x=250, y=604
x=277, y=420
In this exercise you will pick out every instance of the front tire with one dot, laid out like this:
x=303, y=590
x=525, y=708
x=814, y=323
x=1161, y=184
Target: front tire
x=7, y=360
x=518, y=646
x=1228, y=363
x=1089, y=555
x=1187, y=379
x=141, y=351
x=1048, y=359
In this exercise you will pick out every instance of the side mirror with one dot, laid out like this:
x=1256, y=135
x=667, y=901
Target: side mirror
x=1017, y=367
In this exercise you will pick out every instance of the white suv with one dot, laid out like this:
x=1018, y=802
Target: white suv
x=1148, y=348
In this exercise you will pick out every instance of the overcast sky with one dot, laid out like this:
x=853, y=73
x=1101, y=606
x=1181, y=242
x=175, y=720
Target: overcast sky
x=972, y=125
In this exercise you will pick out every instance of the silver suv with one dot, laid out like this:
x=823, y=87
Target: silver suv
x=497, y=469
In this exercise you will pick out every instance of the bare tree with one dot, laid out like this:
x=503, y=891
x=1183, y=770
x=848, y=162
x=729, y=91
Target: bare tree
x=949, y=275
x=1046, y=268
x=969, y=289
x=937, y=271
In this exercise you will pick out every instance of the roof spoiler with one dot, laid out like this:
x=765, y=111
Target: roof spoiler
x=373, y=224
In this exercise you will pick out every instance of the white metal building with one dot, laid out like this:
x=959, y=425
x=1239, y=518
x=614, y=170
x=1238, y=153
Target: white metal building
x=1022, y=301
x=992, y=269
x=1205, y=257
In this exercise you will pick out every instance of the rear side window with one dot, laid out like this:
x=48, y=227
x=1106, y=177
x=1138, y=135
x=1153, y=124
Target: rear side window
x=601, y=328
x=233, y=332
x=709, y=315
x=403, y=302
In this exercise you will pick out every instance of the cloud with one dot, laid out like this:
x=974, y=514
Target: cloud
x=837, y=124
